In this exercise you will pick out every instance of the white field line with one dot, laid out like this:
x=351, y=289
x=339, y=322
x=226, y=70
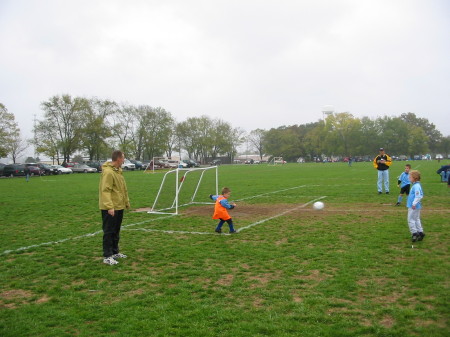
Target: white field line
x=280, y=214
x=75, y=237
x=238, y=230
x=5, y=252
x=279, y=191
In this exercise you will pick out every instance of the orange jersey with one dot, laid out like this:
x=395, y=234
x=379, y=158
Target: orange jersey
x=220, y=212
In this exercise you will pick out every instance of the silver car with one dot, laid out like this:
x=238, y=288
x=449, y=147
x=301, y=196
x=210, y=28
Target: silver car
x=83, y=168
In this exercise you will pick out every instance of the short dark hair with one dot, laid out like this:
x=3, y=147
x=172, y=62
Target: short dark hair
x=409, y=165
x=116, y=155
x=225, y=190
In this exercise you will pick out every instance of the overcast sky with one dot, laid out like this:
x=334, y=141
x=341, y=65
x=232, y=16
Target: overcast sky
x=254, y=64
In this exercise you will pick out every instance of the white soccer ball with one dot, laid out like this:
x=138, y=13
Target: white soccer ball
x=318, y=205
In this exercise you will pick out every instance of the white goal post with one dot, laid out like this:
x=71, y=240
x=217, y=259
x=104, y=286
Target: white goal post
x=276, y=160
x=185, y=186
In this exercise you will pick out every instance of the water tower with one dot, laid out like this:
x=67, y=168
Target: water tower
x=327, y=110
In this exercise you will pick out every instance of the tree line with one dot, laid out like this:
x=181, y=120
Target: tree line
x=94, y=127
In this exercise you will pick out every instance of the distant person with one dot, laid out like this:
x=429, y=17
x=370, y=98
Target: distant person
x=27, y=172
x=414, y=205
x=350, y=161
x=404, y=184
x=382, y=163
x=113, y=199
x=444, y=172
x=221, y=208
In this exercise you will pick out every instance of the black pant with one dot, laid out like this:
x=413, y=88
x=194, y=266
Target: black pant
x=111, y=232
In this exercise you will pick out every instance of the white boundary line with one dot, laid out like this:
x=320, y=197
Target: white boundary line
x=75, y=237
x=5, y=252
x=238, y=230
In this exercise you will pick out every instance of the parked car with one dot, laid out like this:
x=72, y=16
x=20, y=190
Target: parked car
x=14, y=170
x=68, y=164
x=159, y=164
x=61, y=169
x=173, y=163
x=138, y=164
x=128, y=165
x=1, y=168
x=95, y=164
x=48, y=169
x=215, y=162
x=83, y=168
x=191, y=163
x=35, y=170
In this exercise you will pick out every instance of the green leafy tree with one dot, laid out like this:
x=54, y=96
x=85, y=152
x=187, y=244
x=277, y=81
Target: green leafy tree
x=256, y=140
x=154, y=129
x=96, y=129
x=434, y=137
x=65, y=114
x=344, y=134
x=8, y=131
x=124, y=120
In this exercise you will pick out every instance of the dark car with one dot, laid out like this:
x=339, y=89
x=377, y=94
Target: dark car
x=138, y=164
x=1, y=168
x=191, y=163
x=14, y=170
x=95, y=164
x=48, y=170
x=215, y=162
x=68, y=164
x=35, y=170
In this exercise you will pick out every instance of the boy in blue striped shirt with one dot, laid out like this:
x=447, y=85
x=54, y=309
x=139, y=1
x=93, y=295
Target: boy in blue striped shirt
x=404, y=184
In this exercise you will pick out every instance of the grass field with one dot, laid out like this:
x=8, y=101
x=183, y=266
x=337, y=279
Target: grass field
x=348, y=270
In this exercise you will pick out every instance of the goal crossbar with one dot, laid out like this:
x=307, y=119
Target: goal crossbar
x=179, y=183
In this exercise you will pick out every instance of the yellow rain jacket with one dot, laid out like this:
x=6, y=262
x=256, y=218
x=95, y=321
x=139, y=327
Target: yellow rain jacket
x=112, y=191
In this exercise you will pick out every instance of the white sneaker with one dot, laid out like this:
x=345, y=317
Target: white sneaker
x=110, y=261
x=119, y=256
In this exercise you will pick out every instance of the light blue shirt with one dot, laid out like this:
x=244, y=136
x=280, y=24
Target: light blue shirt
x=404, y=179
x=415, y=196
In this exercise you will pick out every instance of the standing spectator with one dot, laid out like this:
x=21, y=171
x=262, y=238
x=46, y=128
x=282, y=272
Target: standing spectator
x=382, y=163
x=27, y=172
x=113, y=199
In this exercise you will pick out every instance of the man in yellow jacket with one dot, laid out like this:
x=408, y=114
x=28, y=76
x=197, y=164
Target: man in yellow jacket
x=382, y=163
x=113, y=199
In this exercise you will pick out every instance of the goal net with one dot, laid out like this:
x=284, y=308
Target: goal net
x=185, y=186
x=276, y=161
x=155, y=164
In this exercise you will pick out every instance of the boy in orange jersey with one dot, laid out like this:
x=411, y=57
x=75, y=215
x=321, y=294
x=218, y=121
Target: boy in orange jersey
x=221, y=208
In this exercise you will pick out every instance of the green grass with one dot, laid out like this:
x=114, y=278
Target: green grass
x=348, y=270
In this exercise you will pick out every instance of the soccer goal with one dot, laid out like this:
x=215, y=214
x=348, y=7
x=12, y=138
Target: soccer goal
x=185, y=186
x=155, y=164
x=276, y=161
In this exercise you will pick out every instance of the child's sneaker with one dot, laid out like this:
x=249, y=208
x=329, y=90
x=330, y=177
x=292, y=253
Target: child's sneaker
x=421, y=236
x=119, y=256
x=415, y=237
x=397, y=204
x=218, y=231
x=110, y=261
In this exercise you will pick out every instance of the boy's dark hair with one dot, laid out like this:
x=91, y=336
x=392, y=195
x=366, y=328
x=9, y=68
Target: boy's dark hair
x=225, y=190
x=409, y=165
x=116, y=155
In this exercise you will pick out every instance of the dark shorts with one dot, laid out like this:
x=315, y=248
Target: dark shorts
x=405, y=189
